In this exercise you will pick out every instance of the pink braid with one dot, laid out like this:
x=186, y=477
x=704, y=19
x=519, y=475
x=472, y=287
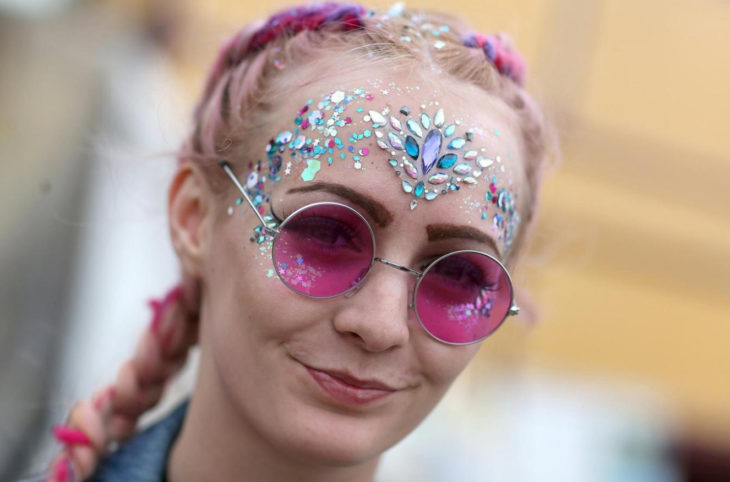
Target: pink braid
x=111, y=414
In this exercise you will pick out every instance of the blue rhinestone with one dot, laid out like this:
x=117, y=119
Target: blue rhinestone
x=418, y=191
x=412, y=147
x=447, y=160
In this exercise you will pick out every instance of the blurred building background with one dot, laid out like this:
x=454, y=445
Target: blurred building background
x=626, y=375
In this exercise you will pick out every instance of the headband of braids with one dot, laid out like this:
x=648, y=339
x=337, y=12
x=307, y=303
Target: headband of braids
x=111, y=415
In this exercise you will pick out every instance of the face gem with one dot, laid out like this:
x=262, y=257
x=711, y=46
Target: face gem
x=431, y=150
x=410, y=169
x=395, y=141
x=438, y=178
x=438, y=119
x=447, y=160
x=412, y=147
x=284, y=137
x=425, y=121
x=457, y=143
x=462, y=169
x=484, y=162
x=252, y=180
x=418, y=191
x=425, y=173
x=377, y=117
x=313, y=166
x=431, y=195
x=414, y=128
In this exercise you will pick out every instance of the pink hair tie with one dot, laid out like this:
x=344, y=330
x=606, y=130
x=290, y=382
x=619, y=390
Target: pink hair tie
x=160, y=306
x=62, y=471
x=70, y=436
x=507, y=61
x=312, y=17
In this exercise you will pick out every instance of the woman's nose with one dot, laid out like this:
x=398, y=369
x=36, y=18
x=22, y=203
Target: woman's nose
x=376, y=315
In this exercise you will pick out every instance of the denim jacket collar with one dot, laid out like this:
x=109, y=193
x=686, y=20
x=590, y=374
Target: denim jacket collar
x=143, y=458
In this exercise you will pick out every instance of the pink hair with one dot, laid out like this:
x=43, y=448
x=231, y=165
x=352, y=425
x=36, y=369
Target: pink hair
x=231, y=110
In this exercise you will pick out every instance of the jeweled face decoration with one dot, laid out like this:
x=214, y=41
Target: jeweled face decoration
x=431, y=154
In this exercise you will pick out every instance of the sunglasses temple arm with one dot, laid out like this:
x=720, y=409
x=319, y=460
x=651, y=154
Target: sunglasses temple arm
x=227, y=167
x=513, y=310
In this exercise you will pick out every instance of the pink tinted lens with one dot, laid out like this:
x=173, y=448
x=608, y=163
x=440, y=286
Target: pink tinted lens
x=463, y=298
x=323, y=250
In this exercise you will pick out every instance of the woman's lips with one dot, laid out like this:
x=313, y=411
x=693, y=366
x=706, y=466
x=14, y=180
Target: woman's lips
x=348, y=390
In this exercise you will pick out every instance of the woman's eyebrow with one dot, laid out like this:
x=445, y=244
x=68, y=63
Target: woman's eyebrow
x=379, y=213
x=438, y=232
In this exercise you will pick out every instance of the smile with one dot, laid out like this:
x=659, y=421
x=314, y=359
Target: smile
x=349, y=391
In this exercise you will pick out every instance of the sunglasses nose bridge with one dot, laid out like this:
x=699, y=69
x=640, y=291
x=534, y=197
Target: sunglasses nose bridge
x=397, y=266
x=404, y=269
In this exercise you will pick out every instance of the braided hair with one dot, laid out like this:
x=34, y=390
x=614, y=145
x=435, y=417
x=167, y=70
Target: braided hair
x=233, y=106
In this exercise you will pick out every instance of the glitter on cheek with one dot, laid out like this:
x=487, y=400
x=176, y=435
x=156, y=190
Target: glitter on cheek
x=264, y=245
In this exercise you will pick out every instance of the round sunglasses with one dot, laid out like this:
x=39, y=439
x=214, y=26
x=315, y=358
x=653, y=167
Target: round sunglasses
x=327, y=249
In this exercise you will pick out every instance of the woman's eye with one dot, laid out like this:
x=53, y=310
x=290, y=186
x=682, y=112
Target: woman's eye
x=326, y=231
x=455, y=269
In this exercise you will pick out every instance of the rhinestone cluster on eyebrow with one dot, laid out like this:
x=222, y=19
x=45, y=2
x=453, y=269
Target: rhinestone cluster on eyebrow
x=431, y=154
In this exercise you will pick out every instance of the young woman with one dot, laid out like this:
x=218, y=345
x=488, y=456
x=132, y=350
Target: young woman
x=346, y=211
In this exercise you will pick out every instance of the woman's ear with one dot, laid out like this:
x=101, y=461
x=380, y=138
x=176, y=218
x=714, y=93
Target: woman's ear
x=188, y=205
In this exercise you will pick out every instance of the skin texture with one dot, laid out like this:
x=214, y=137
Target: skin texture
x=256, y=412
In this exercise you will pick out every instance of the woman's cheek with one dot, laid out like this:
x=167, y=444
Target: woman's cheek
x=442, y=363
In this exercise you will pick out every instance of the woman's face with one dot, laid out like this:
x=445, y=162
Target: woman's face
x=342, y=379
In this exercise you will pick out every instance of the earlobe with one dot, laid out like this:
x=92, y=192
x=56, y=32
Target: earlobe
x=187, y=205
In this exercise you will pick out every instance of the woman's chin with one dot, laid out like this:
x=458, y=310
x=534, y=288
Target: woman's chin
x=335, y=444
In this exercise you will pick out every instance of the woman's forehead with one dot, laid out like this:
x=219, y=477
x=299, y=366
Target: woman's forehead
x=412, y=150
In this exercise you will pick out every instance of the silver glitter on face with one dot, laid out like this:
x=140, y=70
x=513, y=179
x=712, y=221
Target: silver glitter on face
x=430, y=152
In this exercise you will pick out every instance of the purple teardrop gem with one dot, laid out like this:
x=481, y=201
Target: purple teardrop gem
x=430, y=150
